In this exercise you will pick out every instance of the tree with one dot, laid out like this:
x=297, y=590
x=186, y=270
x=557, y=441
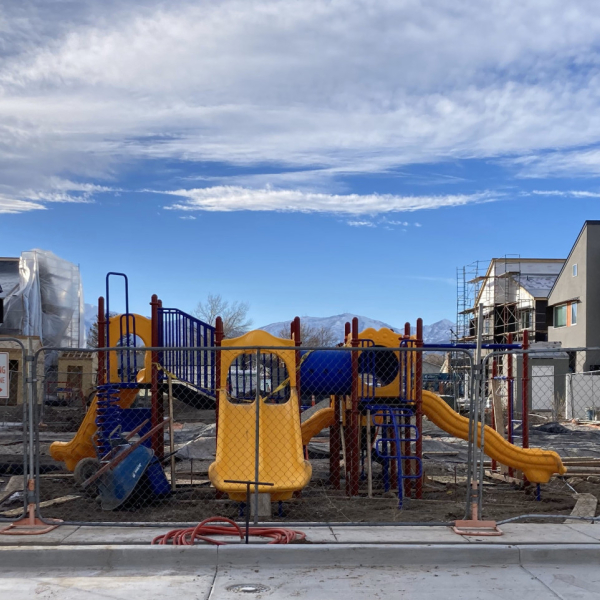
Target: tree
x=234, y=314
x=317, y=336
x=92, y=334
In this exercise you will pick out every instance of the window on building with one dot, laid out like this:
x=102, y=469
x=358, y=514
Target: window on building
x=560, y=316
x=574, y=313
x=525, y=319
x=575, y=270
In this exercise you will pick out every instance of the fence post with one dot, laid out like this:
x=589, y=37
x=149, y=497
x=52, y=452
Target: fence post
x=218, y=340
x=404, y=384
x=334, y=445
x=495, y=403
x=256, y=439
x=510, y=399
x=157, y=414
x=525, y=394
x=419, y=403
x=354, y=441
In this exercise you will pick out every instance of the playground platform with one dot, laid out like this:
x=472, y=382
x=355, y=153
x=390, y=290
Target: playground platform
x=532, y=560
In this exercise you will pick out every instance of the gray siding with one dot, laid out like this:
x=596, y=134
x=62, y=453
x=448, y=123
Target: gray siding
x=567, y=288
x=592, y=300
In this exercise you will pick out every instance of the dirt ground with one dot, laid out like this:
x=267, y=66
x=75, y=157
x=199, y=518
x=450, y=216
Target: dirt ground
x=318, y=503
x=444, y=494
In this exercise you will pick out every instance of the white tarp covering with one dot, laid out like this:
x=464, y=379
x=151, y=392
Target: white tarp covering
x=47, y=302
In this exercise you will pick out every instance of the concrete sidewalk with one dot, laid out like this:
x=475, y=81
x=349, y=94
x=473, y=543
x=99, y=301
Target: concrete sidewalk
x=513, y=533
x=536, y=561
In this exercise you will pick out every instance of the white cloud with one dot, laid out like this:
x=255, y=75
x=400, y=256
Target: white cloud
x=233, y=198
x=567, y=193
x=188, y=218
x=579, y=163
x=321, y=89
x=13, y=206
x=56, y=190
x=361, y=223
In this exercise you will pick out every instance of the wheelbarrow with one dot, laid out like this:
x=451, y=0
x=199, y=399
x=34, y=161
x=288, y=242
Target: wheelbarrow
x=125, y=466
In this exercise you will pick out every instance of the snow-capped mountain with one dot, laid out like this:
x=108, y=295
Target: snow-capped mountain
x=436, y=333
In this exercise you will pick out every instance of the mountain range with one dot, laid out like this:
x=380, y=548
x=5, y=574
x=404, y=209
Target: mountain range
x=436, y=333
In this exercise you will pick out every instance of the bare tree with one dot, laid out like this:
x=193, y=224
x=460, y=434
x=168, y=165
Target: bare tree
x=234, y=314
x=312, y=336
x=92, y=334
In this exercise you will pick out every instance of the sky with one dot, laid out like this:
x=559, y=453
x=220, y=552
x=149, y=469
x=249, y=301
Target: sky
x=310, y=158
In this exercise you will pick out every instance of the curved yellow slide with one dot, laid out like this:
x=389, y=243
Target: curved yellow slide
x=537, y=465
x=317, y=422
x=82, y=445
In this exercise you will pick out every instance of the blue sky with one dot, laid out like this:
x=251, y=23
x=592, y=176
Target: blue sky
x=311, y=158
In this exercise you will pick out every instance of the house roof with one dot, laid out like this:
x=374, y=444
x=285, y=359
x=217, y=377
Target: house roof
x=538, y=286
x=537, y=291
x=586, y=223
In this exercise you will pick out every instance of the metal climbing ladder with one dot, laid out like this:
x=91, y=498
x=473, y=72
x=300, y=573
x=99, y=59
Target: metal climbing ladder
x=396, y=432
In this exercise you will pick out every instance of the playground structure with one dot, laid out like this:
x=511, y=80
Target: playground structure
x=372, y=401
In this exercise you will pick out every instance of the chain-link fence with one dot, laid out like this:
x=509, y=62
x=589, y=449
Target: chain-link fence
x=320, y=435
x=15, y=443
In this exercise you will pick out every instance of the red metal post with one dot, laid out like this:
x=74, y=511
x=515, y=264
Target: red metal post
x=525, y=394
x=494, y=386
x=157, y=411
x=298, y=342
x=510, y=408
x=101, y=342
x=419, y=404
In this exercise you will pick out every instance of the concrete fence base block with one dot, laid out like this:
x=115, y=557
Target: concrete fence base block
x=264, y=506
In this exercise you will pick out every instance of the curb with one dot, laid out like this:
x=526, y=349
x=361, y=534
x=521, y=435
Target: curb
x=190, y=558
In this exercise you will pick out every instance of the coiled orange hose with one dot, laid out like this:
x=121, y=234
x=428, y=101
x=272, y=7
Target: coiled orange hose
x=189, y=535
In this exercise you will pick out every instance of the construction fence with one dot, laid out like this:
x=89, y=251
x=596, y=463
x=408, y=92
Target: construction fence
x=292, y=434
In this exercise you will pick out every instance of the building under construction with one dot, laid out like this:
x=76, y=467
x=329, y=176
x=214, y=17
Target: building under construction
x=514, y=294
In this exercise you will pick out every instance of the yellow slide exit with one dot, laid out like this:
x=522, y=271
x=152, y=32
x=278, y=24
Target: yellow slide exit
x=537, y=465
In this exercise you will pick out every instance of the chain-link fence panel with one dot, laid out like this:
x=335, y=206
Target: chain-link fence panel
x=530, y=404
x=14, y=441
x=345, y=434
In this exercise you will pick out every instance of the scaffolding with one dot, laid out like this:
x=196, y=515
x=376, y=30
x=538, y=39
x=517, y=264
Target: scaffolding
x=513, y=292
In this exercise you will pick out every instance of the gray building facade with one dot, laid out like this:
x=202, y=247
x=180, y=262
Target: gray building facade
x=574, y=301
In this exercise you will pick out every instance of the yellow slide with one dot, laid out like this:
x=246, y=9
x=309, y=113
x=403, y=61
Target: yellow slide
x=537, y=465
x=279, y=449
x=316, y=423
x=280, y=458
x=82, y=445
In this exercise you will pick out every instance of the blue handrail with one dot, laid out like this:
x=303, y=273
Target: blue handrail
x=178, y=329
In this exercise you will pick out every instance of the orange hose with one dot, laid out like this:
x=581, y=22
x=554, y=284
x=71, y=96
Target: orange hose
x=189, y=535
